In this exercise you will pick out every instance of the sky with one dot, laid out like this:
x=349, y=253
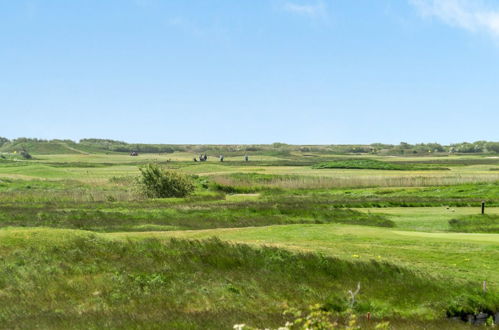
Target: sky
x=254, y=71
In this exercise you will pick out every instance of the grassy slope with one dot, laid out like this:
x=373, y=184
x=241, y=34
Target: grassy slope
x=42, y=147
x=477, y=223
x=464, y=257
x=69, y=279
x=428, y=219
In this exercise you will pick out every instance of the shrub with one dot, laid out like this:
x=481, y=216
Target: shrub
x=156, y=182
x=26, y=155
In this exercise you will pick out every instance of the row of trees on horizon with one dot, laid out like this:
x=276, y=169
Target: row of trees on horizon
x=278, y=147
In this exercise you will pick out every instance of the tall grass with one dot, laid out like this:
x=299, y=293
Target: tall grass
x=476, y=224
x=66, y=279
x=348, y=181
x=70, y=195
x=146, y=216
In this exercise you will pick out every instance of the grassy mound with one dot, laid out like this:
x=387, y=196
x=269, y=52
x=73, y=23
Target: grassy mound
x=373, y=164
x=476, y=224
x=41, y=146
x=69, y=279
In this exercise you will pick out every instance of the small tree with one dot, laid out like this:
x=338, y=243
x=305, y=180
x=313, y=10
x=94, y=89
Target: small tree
x=156, y=182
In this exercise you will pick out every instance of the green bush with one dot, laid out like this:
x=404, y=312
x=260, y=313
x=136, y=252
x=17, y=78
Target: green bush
x=156, y=182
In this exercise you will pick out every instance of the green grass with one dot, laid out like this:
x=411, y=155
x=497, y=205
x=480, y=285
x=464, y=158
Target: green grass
x=70, y=279
x=305, y=245
x=374, y=164
x=43, y=147
x=476, y=224
x=457, y=257
x=427, y=219
x=190, y=213
x=453, y=195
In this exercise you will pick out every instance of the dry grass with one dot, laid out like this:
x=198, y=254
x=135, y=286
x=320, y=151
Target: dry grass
x=73, y=195
x=354, y=181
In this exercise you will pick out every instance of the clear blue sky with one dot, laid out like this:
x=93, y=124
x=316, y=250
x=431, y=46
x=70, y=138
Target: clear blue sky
x=255, y=71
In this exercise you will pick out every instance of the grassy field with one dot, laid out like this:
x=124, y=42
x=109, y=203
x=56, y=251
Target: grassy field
x=81, y=248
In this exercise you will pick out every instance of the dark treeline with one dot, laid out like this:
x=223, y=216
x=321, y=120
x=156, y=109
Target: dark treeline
x=107, y=145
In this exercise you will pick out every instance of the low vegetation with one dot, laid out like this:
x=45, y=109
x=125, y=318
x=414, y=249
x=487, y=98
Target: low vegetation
x=91, y=237
x=104, y=283
x=156, y=182
x=373, y=164
x=179, y=214
x=476, y=224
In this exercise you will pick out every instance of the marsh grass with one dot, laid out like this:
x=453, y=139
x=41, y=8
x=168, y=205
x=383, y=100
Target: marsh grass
x=259, y=181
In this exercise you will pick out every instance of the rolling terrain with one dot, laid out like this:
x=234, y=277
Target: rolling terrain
x=81, y=248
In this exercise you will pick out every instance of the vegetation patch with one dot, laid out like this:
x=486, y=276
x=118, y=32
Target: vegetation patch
x=480, y=223
x=373, y=164
x=156, y=182
x=78, y=279
x=179, y=214
x=119, y=277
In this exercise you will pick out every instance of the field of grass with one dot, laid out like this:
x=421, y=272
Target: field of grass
x=81, y=248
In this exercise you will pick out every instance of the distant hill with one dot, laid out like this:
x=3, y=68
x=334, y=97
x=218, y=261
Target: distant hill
x=85, y=146
x=41, y=147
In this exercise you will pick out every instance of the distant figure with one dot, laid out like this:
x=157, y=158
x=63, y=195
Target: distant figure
x=246, y=158
x=205, y=157
x=221, y=158
x=134, y=153
x=195, y=159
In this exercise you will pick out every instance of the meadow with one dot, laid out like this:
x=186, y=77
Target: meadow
x=80, y=247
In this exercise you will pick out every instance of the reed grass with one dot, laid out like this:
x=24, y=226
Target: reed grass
x=352, y=181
